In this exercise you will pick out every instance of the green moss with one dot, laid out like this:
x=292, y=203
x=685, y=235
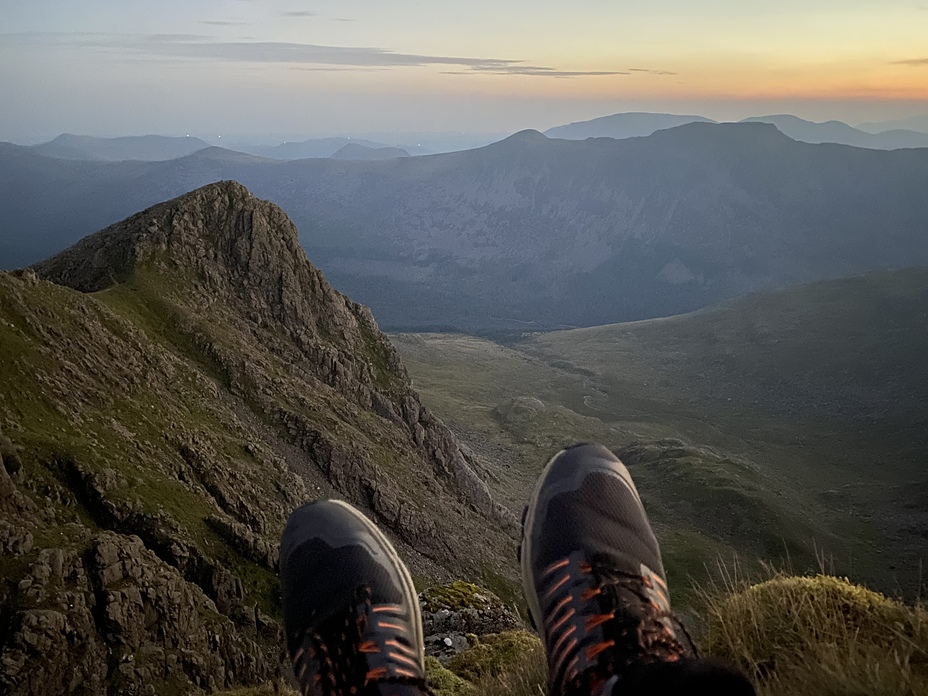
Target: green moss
x=493, y=654
x=444, y=682
x=456, y=595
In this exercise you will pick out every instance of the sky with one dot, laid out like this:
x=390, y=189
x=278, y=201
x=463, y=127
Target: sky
x=269, y=68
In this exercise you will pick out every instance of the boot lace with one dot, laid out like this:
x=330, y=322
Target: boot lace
x=600, y=621
x=364, y=651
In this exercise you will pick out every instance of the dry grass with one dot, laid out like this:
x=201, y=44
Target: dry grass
x=526, y=676
x=816, y=636
x=820, y=636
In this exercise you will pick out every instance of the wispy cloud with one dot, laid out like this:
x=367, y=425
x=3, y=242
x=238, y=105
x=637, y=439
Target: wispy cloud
x=198, y=47
x=651, y=72
x=300, y=13
x=517, y=68
x=911, y=61
x=221, y=23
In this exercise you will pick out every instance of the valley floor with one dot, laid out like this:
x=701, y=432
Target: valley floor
x=719, y=475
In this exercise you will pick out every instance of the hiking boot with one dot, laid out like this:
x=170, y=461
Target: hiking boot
x=596, y=588
x=351, y=613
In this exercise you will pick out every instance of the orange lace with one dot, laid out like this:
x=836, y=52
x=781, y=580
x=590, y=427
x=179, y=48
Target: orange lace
x=586, y=640
x=369, y=644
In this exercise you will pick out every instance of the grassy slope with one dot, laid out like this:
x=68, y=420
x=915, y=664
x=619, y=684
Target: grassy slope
x=784, y=405
x=119, y=406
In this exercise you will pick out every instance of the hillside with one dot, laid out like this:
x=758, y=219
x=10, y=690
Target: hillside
x=173, y=386
x=782, y=424
x=533, y=232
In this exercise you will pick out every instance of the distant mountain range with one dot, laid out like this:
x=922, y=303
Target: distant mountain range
x=359, y=153
x=159, y=148
x=838, y=132
x=148, y=148
x=890, y=135
x=307, y=149
x=533, y=232
x=619, y=126
x=632, y=125
x=915, y=123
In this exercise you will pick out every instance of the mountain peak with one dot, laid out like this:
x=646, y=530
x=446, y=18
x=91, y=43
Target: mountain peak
x=528, y=135
x=190, y=231
x=217, y=242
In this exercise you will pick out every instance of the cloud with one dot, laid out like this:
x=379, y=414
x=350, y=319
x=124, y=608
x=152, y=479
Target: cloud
x=911, y=61
x=221, y=23
x=651, y=72
x=516, y=68
x=198, y=47
x=299, y=13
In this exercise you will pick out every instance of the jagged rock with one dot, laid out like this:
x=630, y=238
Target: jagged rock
x=245, y=541
x=54, y=621
x=15, y=533
x=129, y=620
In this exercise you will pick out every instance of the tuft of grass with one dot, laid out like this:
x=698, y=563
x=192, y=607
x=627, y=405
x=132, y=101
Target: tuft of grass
x=443, y=682
x=526, y=675
x=493, y=655
x=820, y=635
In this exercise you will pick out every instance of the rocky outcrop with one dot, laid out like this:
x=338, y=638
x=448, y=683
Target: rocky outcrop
x=202, y=382
x=117, y=619
x=452, y=615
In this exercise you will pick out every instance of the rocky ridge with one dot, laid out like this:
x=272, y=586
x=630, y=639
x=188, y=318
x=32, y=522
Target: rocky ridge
x=174, y=385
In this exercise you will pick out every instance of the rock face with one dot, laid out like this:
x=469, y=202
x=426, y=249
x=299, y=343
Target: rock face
x=173, y=386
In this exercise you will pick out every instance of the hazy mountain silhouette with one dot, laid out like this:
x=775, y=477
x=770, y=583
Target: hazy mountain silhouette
x=308, y=149
x=358, y=152
x=530, y=231
x=149, y=148
x=629, y=125
x=914, y=123
x=838, y=132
